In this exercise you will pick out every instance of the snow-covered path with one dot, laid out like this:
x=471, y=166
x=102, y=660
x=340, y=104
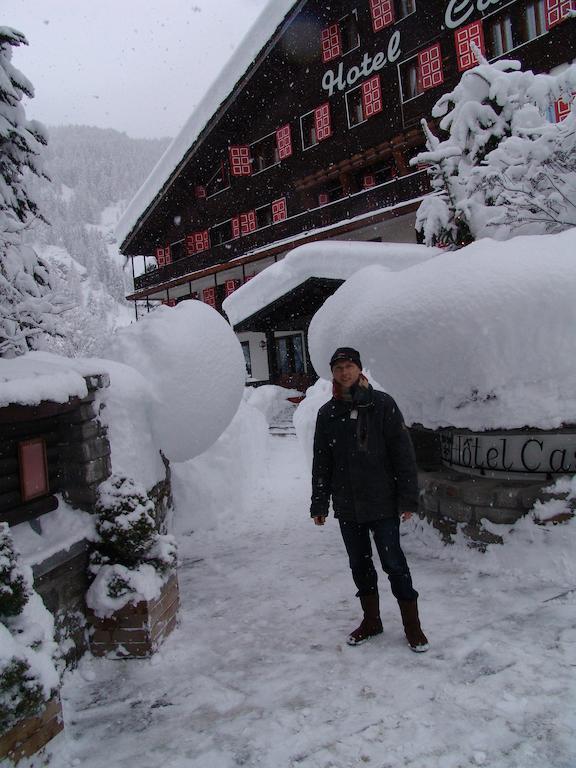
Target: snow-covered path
x=258, y=673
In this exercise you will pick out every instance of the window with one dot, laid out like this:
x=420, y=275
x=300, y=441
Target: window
x=290, y=354
x=33, y=469
x=364, y=101
x=557, y=11
x=464, y=37
x=230, y=286
x=405, y=8
x=499, y=37
x=316, y=126
x=221, y=233
x=263, y=216
x=332, y=192
x=264, y=153
x=377, y=174
x=247, y=358
x=561, y=110
x=240, y=161
x=409, y=81
x=349, y=32
x=219, y=180
x=532, y=23
x=340, y=38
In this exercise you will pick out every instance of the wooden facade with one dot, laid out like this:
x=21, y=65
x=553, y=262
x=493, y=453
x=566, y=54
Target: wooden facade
x=315, y=139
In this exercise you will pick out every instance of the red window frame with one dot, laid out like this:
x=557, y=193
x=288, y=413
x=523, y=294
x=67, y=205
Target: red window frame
x=33, y=469
x=200, y=192
x=279, y=210
x=368, y=181
x=163, y=256
x=248, y=222
x=230, y=286
x=557, y=11
x=430, y=72
x=209, y=296
x=240, y=160
x=323, y=122
x=284, y=141
x=561, y=109
x=463, y=38
x=202, y=240
x=382, y=12
x=249, y=277
x=372, y=102
x=323, y=198
x=235, y=225
x=331, y=42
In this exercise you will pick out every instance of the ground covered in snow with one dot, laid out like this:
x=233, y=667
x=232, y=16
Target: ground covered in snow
x=258, y=672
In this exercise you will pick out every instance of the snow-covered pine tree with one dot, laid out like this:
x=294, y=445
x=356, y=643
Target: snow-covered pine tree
x=496, y=126
x=28, y=307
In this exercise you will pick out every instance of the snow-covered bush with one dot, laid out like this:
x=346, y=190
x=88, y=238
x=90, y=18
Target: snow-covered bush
x=503, y=169
x=28, y=676
x=131, y=557
x=28, y=307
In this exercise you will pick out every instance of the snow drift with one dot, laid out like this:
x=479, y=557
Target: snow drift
x=195, y=366
x=480, y=338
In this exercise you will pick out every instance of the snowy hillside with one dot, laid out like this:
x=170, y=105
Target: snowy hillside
x=93, y=175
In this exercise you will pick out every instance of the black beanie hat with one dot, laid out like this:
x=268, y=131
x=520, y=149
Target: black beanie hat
x=346, y=353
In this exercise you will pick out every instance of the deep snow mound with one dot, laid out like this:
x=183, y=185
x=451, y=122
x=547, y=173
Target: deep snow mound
x=481, y=338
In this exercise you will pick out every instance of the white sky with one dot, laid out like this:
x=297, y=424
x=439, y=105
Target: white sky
x=139, y=66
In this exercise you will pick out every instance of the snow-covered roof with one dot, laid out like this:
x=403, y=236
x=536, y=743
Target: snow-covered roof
x=244, y=56
x=332, y=259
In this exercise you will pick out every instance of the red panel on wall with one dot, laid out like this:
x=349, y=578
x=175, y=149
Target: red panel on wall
x=372, y=97
x=430, y=71
x=284, y=141
x=200, y=192
x=557, y=11
x=202, y=240
x=322, y=122
x=382, y=13
x=279, y=210
x=368, y=181
x=190, y=245
x=33, y=468
x=240, y=164
x=230, y=286
x=331, y=43
x=464, y=37
x=235, y=224
x=323, y=198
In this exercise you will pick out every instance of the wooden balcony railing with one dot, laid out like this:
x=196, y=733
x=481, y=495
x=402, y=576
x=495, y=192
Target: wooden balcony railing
x=402, y=189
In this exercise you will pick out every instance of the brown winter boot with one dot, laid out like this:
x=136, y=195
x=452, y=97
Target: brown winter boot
x=371, y=624
x=417, y=640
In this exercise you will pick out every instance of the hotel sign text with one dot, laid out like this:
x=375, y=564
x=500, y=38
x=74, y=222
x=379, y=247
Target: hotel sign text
x=333, y=80
x=495, y=454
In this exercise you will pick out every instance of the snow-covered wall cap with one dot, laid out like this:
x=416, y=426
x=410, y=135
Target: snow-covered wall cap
x=34, y=378
x=258, y=35
x=332, y=259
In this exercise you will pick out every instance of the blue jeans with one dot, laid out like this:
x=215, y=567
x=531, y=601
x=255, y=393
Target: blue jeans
x=386, y=534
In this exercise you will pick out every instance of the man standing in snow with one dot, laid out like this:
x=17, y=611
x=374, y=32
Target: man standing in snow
x=364, y=460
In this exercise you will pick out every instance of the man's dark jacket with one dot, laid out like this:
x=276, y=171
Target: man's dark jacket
x=363, y=458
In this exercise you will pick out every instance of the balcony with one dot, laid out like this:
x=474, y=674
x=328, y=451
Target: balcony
x=400, y=190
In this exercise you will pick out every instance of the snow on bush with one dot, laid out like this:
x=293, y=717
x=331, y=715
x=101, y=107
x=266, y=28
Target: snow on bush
x=28, y=675
x=131, y=559
x=479, y=338
x=195, y=366
x=504, y=169
x=218, y=486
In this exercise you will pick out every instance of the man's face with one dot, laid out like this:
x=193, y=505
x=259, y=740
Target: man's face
x=346, y=373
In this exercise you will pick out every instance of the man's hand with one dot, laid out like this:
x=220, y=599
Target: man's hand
x=319, y=519
x=404, y=516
